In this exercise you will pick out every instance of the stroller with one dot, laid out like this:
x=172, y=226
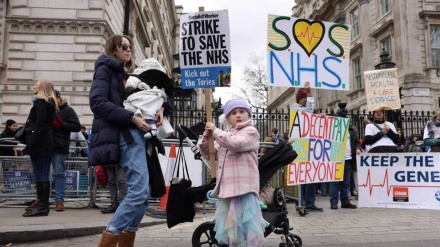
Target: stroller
x=277, y=157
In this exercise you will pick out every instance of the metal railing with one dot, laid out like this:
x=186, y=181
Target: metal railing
x=411, y=122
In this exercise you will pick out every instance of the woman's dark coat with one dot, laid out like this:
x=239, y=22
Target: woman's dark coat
x=106, y=97
x=61, y=136
x=355, y=144
x=39, y=131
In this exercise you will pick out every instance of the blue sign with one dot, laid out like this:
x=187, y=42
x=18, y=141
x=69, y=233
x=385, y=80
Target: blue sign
x=17, y=180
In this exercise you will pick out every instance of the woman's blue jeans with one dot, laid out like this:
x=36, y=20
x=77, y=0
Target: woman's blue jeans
x=59, y=174
x=40, y=164
x=342, y=188
x=132, y=209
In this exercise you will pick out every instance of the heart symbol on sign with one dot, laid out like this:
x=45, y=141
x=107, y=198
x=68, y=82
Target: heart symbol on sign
x=308, y=34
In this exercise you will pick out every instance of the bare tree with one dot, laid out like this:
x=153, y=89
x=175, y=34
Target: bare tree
x=255, y=81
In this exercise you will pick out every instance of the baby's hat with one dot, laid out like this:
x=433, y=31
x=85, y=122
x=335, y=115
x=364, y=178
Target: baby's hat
x=236, y=103
x=151, y=64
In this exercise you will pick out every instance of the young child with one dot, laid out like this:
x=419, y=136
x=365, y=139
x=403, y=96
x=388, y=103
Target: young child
x=238, y=218
x=152, y=88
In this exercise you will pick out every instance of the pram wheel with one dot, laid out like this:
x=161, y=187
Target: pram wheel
x=204, y=235
x=278, y=197
x=294, y=240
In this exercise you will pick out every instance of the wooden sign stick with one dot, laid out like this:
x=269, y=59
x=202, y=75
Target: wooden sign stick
x=208, y=92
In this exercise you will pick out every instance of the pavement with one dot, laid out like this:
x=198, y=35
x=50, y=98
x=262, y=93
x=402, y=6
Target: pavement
x=360, y=227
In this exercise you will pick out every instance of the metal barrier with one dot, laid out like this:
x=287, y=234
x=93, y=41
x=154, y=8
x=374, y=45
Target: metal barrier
x=17, y=186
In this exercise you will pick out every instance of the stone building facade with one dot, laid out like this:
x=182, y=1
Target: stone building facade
x=60, y=41
x=409, y=30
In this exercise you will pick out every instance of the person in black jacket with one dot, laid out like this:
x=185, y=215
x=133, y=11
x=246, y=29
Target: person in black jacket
x=39, y=143
x=118, y=137
x=341, y=189
x=9, y=132
x=67, y=122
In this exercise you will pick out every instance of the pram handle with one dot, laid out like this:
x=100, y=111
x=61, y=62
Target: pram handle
x=208, y=196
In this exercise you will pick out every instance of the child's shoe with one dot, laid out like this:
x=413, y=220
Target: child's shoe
x=152, y=132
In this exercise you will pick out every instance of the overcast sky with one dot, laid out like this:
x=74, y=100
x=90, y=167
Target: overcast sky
x=248, y=28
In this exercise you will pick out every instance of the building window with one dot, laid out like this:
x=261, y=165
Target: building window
x=384, y=7
x=386, y=45
x=435, y=45
x=357, y=76
x=355, y=23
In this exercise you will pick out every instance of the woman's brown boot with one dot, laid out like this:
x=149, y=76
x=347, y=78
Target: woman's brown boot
x=32, y=206
x=126, y=239
x=108, y=239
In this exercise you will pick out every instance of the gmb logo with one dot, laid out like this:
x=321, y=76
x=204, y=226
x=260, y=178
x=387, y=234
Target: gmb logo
x=437, y=195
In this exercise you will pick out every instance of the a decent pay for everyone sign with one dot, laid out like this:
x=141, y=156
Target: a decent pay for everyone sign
x=382, y=89
x=399, y=180
x=320, y=142
x=205, y=56
x=300, y=50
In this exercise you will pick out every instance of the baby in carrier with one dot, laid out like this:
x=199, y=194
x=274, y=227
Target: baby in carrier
x=152, y=89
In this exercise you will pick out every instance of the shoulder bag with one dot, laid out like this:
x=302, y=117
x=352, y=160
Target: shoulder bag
x=21, y=133
x=180, y=208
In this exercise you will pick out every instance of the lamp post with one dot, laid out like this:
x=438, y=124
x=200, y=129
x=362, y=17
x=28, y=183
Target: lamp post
x=385, y=63
x=126, y=16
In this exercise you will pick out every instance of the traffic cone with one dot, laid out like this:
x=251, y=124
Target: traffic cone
x=168, y=176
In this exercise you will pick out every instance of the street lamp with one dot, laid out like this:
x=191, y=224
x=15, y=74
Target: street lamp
x=126, y=17
x=385, y=61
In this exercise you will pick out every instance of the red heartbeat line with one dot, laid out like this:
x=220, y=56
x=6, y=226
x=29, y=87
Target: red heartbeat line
x=306, y=34
x=385, y=182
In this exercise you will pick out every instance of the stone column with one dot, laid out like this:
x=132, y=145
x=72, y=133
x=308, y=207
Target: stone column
x=365, y=31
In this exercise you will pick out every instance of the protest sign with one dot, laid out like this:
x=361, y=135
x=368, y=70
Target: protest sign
x=382, y=89
x=300, y=50
x=399, y=180
x=205, y=54
x=320, y=142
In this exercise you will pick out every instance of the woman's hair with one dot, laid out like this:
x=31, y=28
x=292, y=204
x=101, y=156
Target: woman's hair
x=401, y=131
x=434, y=116
x=10, y=122
x=45, y=90
x=112, y=45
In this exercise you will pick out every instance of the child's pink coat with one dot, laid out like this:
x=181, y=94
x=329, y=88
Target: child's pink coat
x=237, y=160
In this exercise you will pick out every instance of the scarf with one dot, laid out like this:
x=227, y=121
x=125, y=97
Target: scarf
x=378, y=122
x=433, y=129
